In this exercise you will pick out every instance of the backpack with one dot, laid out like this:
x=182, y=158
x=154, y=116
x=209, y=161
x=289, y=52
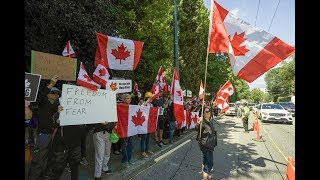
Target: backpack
x=246, y=111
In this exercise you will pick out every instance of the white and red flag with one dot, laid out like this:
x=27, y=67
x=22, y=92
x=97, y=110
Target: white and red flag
x=158, y=85
x=101, y=75
x=136, y=90
x=252, y=51
x=222, y=103
x=134, y=119
x=187, y=116
x=68, y=51
x=192, y=120
x=116, y=53
x=176, y=93
x=85, y=81
x=201, y=91
x=226, y=90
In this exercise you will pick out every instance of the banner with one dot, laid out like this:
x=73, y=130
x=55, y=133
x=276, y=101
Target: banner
x=84, y=106
x=119, y=86
x=32, y=82
x=49, y=65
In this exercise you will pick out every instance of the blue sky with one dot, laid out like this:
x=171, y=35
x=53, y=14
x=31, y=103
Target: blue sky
x=283, y=25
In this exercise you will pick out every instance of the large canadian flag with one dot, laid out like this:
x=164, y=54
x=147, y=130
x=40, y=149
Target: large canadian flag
x=116, y=53
x=134, y=119
x=101, y=75
x=85, y=81
x=193, y=120
x=252, y=51
x=68, y=51
x=177, y=95
x=201, y=91
x=222, y=103
x=226, y=90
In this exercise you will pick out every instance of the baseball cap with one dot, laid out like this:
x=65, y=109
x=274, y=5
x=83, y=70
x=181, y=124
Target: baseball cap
x=55, y=90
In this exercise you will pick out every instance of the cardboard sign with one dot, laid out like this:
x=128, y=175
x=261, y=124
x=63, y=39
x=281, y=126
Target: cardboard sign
x=84, y=106
x=49, y=65
x=119, y=86
x=32, y=82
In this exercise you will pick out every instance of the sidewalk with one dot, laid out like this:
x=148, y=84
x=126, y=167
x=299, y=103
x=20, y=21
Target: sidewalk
x=237, y=156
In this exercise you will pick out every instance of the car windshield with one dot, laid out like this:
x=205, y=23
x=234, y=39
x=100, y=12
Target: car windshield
x=251, y=104
x=287, y=105
x=271, y=106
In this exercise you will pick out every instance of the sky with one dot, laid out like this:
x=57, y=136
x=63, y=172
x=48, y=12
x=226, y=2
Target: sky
x=283, y=24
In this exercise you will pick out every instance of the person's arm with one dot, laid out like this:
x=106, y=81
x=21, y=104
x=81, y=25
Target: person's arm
x=27, y=111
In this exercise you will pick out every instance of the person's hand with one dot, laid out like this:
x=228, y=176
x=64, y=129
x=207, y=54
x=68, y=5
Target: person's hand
x=53, y=81
x=26, y=103
x=60, y=108
x=199, y=119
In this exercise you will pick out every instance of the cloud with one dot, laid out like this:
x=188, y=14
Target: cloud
x=258, y=83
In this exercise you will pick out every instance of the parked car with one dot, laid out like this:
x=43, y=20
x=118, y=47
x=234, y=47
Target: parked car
x=231, y=110
x=273, y=113
x=289, y=106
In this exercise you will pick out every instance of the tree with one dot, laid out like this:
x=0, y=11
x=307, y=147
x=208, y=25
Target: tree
x=256, y=95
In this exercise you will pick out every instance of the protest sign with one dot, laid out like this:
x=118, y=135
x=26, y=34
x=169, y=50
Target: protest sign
x=84, y=106
x=32, y=82
x=49, y=65
x=119, y=86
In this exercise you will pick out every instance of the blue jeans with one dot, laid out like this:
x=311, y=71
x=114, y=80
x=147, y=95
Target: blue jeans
x=172, y=127
x=145, y=142
x=126, y=149
x=207, y=160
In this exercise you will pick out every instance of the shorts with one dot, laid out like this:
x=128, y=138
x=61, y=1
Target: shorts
x=160, y=122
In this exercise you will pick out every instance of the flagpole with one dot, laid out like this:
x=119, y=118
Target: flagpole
x=205, y=74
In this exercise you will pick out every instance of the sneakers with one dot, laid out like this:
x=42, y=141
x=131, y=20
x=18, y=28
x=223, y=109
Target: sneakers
x=84, y=161
x=116, y=152
x=108, y=172
x=144, y=154
x=150, y=152
x=162, y=143
x=159, y=144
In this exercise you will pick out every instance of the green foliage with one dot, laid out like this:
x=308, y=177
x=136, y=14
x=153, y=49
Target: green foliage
x=284, y=99
x=256, y=95
x=281, y=81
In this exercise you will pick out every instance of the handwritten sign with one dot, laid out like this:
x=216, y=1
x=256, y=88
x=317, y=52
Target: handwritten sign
x=119, y=86
x=49, y=65
x=32, y=82
x=84, y=106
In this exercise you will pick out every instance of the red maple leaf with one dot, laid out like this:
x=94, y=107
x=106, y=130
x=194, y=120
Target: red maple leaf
x=229, y=88
x=235, y=43
x=121, y=53
x=179, y=92
x=138, y=119
x=113, y=86
x=87, y=77
x=195, y=118
x=102, y=72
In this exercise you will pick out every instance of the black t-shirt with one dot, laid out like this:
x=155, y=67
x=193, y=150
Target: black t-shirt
x=157, y=102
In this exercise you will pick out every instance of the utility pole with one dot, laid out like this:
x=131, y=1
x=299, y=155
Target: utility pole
x=175, y=32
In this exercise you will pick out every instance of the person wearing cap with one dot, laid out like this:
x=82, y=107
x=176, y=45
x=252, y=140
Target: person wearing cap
x=245, y=111
x=207, y=140
x=47, y=107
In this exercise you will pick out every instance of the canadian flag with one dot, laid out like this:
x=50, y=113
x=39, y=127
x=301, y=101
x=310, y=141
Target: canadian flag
x=136, y=89
x=85, y=81
x=155, y=90
x=117, y=53
x=185, y=120
x=68, y=51
x=193, y=120
x=101, y=75
x=165, y=87
x=252, y=51
x=201, y=91
x=134, y=119
x=226, y=90
x=222, y=104
x=159, y=83
x=177, y=95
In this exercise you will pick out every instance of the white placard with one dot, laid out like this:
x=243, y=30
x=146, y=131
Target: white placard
x=119, y=86
x=189, y=93
x=84, y=106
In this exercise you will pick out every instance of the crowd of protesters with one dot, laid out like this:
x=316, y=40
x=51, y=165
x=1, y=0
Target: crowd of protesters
x=56, y=148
